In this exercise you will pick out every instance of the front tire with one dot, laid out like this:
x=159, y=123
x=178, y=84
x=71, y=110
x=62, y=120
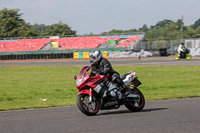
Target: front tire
x=86, y=107
x=188, y=56
x=137, y=104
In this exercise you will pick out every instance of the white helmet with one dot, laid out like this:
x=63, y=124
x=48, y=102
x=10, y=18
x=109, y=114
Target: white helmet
x=95, y=57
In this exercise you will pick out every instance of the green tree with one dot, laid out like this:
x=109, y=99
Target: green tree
x=12, y=25
x=40, y=28
x=120, y=32
x=180, y=24
x=144, y=28
x=165, y=29
x=59, y=29
x=197, y=32
x=162, y=23
x=196, y=24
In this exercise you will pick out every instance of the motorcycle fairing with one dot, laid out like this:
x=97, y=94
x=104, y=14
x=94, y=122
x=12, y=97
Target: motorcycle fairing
x=85, y=92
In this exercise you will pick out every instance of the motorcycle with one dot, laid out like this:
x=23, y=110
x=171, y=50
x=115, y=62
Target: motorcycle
x=183, y=55
x=96, y=92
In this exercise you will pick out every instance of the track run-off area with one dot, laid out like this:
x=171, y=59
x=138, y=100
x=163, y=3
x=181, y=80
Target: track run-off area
x=158, y=116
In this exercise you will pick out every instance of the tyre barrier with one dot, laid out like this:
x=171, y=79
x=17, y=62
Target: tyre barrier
x=36, y=56
x=79, y=55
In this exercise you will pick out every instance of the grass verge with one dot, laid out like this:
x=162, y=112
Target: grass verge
x=21, y=87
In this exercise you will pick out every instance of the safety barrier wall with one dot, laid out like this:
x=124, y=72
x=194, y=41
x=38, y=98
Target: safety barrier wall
x=85, y=55
x=36, y=56
x=51, y=54
x=76, y=55
x=63, y=51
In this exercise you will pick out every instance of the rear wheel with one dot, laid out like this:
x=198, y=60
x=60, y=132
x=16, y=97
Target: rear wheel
x=136, y=105
x=177, y=57
x=87, y=107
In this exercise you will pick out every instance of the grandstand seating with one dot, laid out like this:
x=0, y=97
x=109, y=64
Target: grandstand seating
x=79, y=42
x=23, y=45
x=64, y=43
x=130, y=40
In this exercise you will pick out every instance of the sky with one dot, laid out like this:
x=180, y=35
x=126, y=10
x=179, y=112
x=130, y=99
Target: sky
x=97, y=16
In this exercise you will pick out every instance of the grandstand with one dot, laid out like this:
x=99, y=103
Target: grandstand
x=130, y=40
x=67, y=43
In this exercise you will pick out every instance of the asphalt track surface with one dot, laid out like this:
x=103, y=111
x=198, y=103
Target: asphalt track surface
x=159, y=61
x=162, y=116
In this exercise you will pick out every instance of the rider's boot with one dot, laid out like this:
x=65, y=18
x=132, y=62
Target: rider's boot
x=126, y=90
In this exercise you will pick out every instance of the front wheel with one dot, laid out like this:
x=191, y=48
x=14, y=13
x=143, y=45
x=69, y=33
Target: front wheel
x=87, y=107
x=136, y=105
x=188, y=56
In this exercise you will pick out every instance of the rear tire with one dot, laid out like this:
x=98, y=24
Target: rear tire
x=85, y=106
x=138, y=105
x=177, y=57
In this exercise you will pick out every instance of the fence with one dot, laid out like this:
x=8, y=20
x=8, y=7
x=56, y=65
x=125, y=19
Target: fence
x=192, y=43
x=170, y=45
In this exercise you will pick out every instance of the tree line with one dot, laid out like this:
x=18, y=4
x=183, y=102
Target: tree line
x=165, y=30
x=12, y=25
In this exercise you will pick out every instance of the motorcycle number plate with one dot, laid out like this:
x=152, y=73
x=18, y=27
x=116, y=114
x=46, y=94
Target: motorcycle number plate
x=97, y=88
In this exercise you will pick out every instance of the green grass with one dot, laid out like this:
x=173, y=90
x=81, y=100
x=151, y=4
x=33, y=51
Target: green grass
x=21, y=87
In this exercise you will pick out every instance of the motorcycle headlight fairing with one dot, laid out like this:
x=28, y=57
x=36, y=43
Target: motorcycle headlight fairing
x=80, y=80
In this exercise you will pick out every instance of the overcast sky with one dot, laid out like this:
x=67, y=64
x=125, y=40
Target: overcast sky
x=96, y=16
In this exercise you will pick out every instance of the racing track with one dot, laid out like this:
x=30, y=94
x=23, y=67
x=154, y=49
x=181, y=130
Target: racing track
x=125, y=61
x=162, y=116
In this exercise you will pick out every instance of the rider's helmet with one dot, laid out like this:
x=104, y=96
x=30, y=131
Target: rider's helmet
x=95, y=57
x=183, y=47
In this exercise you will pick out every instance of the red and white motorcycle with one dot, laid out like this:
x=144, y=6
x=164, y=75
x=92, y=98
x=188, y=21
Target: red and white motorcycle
x=97, y=92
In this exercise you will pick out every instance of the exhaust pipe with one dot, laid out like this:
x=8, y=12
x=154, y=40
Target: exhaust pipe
x=133, y=96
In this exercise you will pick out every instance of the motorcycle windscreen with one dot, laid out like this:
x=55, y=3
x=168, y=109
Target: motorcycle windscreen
x=82, y=70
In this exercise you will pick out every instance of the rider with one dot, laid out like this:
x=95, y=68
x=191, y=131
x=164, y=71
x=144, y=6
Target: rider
x=181, y=48
x=104, y=66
